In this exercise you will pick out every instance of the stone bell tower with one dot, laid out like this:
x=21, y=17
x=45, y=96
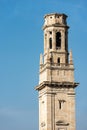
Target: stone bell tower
x=56, y=77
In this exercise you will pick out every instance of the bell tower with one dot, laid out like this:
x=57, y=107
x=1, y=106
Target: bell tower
x=56, y=77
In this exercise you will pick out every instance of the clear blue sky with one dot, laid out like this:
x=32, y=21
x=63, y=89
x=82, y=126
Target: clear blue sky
x=21, y=42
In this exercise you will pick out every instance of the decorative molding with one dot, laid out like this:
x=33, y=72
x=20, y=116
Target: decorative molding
x=57, y=84
x=62, y=123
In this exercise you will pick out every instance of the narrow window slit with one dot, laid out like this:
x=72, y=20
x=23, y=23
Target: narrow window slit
x=50, y=43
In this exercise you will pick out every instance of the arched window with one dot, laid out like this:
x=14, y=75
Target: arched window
x=58, y=61
x=50, y=43
x=58, y=40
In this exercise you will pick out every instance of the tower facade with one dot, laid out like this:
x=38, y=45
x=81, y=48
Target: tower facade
x=56, y=77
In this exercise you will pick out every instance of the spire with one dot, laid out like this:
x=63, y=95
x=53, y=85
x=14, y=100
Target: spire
x=70, y=57
x=41, y=59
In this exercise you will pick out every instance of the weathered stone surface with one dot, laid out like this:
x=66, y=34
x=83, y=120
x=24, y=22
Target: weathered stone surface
x=56, y=79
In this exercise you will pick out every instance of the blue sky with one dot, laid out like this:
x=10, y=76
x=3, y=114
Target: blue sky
x=21, y=42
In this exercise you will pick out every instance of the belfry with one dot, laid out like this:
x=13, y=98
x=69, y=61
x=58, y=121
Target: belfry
x=56, y=77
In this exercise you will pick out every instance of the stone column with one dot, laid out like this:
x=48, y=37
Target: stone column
x=63, y=40
x=53, y=39
x=48, y=35
x=45, y=42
